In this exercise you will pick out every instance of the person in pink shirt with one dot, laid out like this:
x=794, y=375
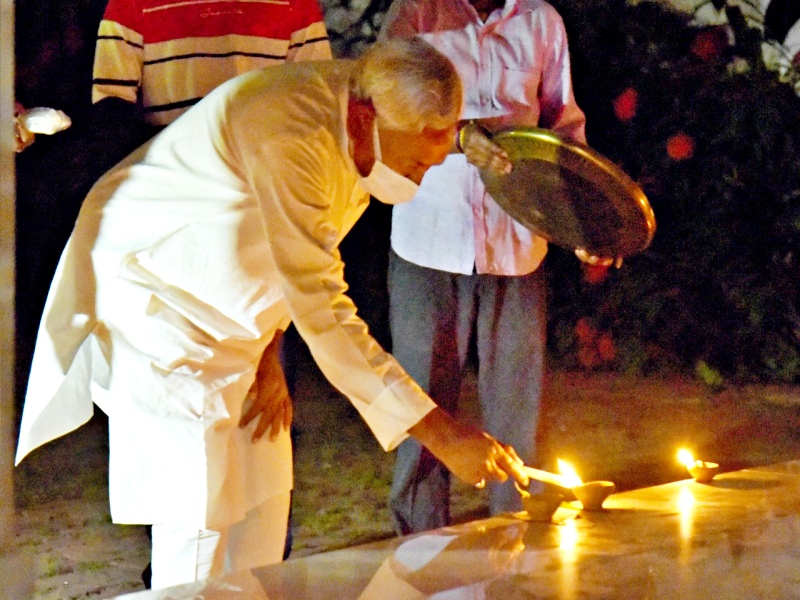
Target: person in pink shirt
x=460, y=268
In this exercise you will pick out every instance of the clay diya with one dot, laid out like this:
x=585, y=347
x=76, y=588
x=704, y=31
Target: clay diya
x=539, y=507
x=592, y=494
x=700, y=470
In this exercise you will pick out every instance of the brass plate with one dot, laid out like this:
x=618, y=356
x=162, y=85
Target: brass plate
x=571, y=195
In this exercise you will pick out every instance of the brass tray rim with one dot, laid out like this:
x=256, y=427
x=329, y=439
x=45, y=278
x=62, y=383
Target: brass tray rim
x=608, y=167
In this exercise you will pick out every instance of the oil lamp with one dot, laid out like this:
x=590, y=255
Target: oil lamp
x=591, y=495
x=700, y=470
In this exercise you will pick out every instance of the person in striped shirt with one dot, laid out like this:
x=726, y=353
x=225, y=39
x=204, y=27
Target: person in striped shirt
x=164, y=56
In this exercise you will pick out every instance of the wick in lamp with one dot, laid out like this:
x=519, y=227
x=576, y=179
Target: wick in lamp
x=591, y=495
x=700, y=470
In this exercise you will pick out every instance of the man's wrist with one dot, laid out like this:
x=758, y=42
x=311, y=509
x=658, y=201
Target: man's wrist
x=433, y=430
x=461, y=134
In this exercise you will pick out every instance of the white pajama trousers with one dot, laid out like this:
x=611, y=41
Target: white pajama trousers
x=183, y=555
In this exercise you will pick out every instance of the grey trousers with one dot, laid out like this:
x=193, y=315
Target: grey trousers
x=433, y=316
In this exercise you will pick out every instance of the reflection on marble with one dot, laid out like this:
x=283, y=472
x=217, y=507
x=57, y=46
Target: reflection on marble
x=736, y=537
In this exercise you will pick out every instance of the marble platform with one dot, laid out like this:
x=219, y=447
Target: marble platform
x=736, y=537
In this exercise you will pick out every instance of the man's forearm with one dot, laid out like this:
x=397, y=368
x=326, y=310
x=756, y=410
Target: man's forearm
x=433, y=431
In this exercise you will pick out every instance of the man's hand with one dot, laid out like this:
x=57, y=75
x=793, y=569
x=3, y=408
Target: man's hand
x=598, y=261
x=269, y=396
x=470, y=454
x=595, y=268
x=481, y=151
x=22, y=137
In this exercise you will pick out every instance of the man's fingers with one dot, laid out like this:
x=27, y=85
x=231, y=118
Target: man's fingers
x=591, y=259
x=484, y=153
x=275, y=425
x=513, y=454
x=501, y=164
x=518, y=473
x=271, y=421
x=504, y=462
x=500, y=158
x=513, y=467
x=249, y=414
x=281, y=418
x=495, y=158
x=494, y=470
x=508, y=463
x=516, y=468
x=288, y=413
x=261, y=428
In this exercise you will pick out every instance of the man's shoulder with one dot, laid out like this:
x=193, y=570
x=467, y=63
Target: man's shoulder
x=541, y=14
x=306, y=12
x=542, y=6
x=288, y=100
x=292, y=78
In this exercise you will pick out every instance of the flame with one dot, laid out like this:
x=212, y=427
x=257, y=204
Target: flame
x=685, y=457
x=571, y=477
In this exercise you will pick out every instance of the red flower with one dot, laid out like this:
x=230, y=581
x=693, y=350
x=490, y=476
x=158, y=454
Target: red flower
x=585, y=331
x=625, y=104
x=710, y=42
x=588, y=357
x=680, y=146
x=605, y=347
x=594, y=273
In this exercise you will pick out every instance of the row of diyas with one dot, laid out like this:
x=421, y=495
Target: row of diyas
x=593, y=494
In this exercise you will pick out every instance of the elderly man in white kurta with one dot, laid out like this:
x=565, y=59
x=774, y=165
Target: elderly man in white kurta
x=187, y=261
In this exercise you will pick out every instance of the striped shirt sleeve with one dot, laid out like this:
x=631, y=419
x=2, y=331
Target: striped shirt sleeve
x=119, y=53
x=309, y=43
x=168, y=54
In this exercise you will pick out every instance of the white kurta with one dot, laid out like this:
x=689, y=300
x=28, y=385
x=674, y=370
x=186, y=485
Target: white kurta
x=185, y=260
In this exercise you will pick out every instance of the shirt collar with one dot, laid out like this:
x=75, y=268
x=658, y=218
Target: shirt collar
x=509, y=9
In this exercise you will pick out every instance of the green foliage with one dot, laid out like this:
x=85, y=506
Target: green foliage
x=52, y=565
x=92, y=566
x=720, y=285
x=708, y=375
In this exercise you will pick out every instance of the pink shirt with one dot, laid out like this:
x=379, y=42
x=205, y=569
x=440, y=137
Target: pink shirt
x=515, y=70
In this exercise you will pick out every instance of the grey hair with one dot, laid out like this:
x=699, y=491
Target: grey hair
x=411, y=85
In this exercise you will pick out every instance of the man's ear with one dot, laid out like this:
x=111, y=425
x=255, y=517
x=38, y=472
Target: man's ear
x=360, y=119
x=360, y=122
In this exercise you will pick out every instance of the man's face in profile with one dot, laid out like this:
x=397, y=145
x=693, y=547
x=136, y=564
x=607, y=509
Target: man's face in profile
x=412, y=154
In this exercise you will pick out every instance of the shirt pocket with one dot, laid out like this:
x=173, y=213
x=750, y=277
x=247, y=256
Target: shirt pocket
x=518, y=90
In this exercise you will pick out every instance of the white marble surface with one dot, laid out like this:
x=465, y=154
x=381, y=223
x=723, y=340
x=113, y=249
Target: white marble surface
x=737, y=537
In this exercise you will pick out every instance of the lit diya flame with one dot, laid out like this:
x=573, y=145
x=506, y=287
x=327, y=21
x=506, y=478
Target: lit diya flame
x=591, y=495
x=571, y=478
x=567, y=479
x=686, y=458
x=701, y=471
